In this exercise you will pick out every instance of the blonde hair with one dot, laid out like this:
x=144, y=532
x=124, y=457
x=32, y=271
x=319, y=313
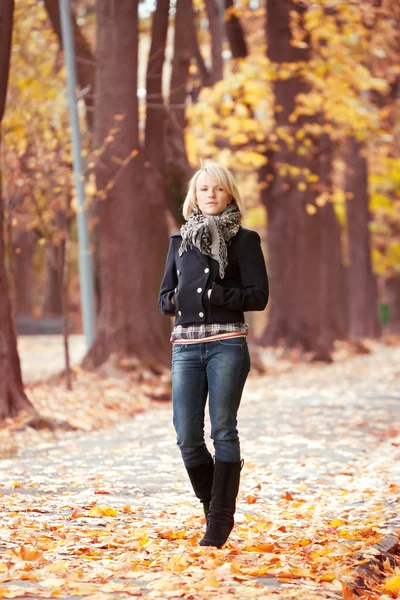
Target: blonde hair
x=222, y=176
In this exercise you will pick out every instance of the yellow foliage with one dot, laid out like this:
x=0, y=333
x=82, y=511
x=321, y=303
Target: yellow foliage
x=385, y=208
x=336, y=522
x=381, y=202
x=311, y=209
x=36, y=124
x=98, y=511
x=250, y=159
x=312, y=178
x=255, y=217
x=339, y=203
x=393, y=584
x=237, y=110
x=90, y=185
x=393, y=256
x=239, y=139
x=322, y=199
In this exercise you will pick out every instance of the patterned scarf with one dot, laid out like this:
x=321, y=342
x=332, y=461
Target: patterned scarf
x=211, y=235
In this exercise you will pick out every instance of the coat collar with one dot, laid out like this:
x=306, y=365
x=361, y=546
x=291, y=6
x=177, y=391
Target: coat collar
x=196, y=252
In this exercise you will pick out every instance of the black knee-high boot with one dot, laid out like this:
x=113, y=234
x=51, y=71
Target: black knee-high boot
x=223, y=503
x=201, y=478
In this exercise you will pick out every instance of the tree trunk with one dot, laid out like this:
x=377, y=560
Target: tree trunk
x=25, y=244
x=332, y=306
x=177, y=167
x=362, y=285
x=13, y=399
x=12, y=395
x=155, y=107
x=181, y=62
x=393, y=300
x=85, y=67
x=132, y=224
x=304, y=238
x=293, y=235
x=174, y=171
x=215, y=20
x=52, y=304
x=62, y=265
x=234, y=32
x=205, y=76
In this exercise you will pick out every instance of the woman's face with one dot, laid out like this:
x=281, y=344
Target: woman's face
x=212, y=198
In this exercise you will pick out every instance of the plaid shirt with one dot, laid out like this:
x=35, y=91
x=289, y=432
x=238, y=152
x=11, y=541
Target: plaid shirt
x=205, y=330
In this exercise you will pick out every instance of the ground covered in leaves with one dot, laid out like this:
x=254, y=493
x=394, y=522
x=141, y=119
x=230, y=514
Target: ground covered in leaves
x=109, y=512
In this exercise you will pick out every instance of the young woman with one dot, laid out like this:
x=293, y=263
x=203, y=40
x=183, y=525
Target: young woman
x=215, y=271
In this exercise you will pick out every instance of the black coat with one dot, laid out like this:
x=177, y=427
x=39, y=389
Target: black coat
x=190, y=276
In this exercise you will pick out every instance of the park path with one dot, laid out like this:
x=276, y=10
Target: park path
x=110, y=514
x=43, y=355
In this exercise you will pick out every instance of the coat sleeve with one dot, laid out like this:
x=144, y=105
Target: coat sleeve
x=168, y=284
x=254, y=293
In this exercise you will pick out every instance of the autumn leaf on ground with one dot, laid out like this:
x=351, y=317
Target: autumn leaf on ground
x=98, y=511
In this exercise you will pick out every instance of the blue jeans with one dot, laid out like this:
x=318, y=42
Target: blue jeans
x=219, y=369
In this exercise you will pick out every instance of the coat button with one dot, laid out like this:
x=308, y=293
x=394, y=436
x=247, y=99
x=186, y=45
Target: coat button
x=178, y=271
x=199, y=290
x=175, y=290
x=201, y=314
x=179, y=313
x=207, y=270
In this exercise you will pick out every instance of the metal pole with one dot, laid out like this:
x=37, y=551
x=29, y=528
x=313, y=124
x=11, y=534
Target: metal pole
x=85, y=259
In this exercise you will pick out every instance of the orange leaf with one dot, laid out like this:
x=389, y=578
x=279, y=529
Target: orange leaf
x=326, y=577
x=259, y=548
x=172, y=535
x=263, y=572
x=295, y=572
x=98, y=511
x=29, y=554
x=287, y=496
x=305, y=542
x=76, y=515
